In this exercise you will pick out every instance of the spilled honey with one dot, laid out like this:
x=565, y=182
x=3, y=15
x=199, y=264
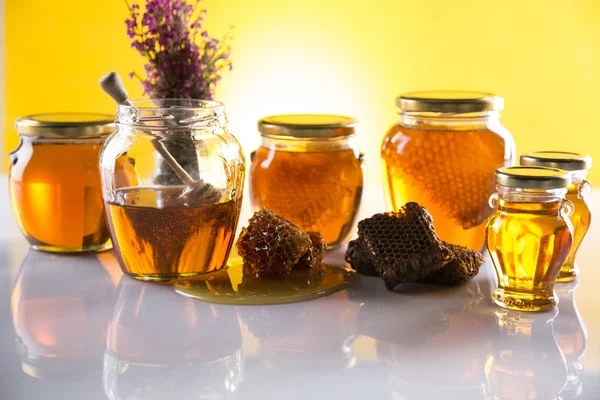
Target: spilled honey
x=231, y=286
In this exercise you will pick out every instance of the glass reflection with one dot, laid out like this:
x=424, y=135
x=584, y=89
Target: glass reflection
x=450, y=326
x=571, y=335
x=525, y=361
x=61, y=306
x=308, y=335
x=162, y=345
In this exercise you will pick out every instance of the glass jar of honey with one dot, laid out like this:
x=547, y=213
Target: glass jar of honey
x=529, y=235
x=172, y=176
x=309, y=170
x=578, y=166
x=54, y=181
x=442, y=154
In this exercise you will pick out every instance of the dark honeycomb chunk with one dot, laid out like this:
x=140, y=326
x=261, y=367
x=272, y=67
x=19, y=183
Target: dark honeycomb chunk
x=403, y=247
x=360, y=259
x=272, y=246
x=463, y=267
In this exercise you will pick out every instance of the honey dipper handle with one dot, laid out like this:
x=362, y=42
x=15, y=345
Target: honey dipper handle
x=112, y=85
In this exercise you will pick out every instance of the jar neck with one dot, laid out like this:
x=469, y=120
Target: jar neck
x=530, y=195
x=172, y=115
x=288, y=143
x=578, y=176
x=466, y=121
x=62, y=140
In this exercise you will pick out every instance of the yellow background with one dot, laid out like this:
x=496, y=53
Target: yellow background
x=351, y=57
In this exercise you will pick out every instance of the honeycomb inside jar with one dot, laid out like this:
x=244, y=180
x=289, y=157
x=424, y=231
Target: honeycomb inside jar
x=318, y=191
x=448, y=171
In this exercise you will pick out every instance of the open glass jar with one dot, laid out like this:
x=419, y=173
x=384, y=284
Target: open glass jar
x=578, y=193
x=442, y=154
x=54, y=181
x=529, y=235
x=172, y=176
x=309, y=170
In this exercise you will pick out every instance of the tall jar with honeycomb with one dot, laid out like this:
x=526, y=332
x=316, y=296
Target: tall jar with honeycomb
x=442, y=154
x=54, y=181
x=579, y=192
x=529, y=235
x=172, y=178
x=309, y=170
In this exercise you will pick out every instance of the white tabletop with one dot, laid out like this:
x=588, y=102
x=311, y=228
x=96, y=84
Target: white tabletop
x=73, y=327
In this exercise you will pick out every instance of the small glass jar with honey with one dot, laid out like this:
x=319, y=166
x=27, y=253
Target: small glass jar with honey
x=442, y=154
x=529, y=235
x=578, y=166
x=172, y=178
x=55, y=186
x=309, y=170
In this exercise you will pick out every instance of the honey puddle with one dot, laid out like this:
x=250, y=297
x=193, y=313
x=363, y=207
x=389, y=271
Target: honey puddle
x=229, y=286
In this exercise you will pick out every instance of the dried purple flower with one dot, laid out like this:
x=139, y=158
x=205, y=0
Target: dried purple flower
x=183, y=61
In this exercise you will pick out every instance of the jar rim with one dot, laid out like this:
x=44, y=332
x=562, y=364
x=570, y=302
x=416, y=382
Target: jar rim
x=569, y=161
x=171, y=114
x=66, y=125
x=181, y=104
x=307, y=126
x=449, y=101
x=532, y=177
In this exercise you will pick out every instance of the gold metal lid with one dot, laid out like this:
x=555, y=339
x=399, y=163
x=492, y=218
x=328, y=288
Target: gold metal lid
x=558, y=159
x=66, y=125
x=306, y=126
x=533, y=177
x=449, y=101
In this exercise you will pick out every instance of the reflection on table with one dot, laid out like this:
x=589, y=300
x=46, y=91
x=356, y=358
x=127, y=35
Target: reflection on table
x=162, y=345
x=422, y=323
x=525, y=361
x=60, y=323
x=301, y=350
x=309, y=335
x=571, y=335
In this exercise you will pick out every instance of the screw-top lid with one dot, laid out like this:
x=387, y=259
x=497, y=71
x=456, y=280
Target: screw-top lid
x=558, y=159
x=306, y=126
x=533, y=177
x=66, y=125
x=449, y=101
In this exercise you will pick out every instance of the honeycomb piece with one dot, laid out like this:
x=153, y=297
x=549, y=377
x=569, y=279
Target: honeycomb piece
x=403, y=245
x=463, y=267
x=272, y=246
x=360, y=259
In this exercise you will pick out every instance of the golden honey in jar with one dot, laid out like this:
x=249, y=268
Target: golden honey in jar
x=173, y=178
x=529, y=235
x=578, y=166
x=442, y=154
x=55, y=186
x=309, y=170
